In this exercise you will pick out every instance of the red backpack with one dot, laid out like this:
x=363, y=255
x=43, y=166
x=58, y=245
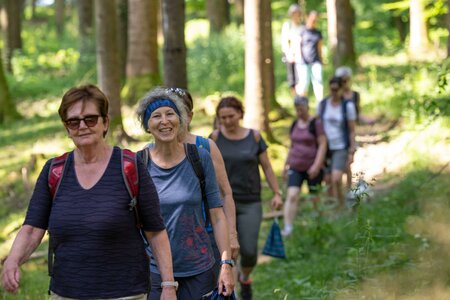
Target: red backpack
x=130, y=177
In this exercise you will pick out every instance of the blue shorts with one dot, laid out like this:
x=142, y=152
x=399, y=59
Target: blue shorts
x=296, y=178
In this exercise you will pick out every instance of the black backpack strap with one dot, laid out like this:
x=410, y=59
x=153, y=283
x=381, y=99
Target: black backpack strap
x=293, y=126
x=312, y=127
x=193, y=157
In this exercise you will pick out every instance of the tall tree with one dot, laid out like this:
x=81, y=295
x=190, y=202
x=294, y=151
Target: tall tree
x=340, y=32
x=142, y=58
x=448, y=28
x=175, y=73
x=218, y=12
x=239, y=11
x=418, y=33
x=107, y=58
x=7, y=108
x=59, y=16
x=122, y=25
x=85, y=27
x=254, y=90
x=11, y=23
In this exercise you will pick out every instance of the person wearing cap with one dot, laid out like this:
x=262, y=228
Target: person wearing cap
x=309, y=69
x=163, y=114
x=305, y=160
x=338, y=117
x=290, y=44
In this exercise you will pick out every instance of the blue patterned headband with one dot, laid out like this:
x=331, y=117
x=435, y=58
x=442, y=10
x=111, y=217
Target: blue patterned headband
x=157, y=104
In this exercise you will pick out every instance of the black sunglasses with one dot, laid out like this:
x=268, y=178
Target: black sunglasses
x=74, y=123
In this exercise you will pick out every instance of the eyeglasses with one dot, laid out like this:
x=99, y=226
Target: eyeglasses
x=74, y=123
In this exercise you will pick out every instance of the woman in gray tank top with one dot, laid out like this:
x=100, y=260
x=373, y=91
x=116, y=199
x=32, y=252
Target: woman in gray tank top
x=243, y=150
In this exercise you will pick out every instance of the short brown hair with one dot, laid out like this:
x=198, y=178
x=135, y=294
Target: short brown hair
x=84, y=93
x=232, y=102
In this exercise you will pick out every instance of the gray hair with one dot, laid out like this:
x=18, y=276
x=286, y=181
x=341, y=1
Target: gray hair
x=293, y=9
x=343, y=72
x=163, y=93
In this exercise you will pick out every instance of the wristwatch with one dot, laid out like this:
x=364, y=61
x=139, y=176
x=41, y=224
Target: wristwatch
x=170, y=283
x=227, y=262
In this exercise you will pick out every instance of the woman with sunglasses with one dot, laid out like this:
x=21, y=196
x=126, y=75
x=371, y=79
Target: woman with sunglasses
x=99, y=252
x=338, y=117
x=162, y=113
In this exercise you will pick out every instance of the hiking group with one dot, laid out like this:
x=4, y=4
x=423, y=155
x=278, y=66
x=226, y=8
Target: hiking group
x=171, y=220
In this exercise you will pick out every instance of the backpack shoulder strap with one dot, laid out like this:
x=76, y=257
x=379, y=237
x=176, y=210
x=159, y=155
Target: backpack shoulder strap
x=194, y=159
x=56, y=173
x=312, y=127
x=322, y=106
x=214, y=135
x=294, y=123
x=131, y=178
x=144, y=155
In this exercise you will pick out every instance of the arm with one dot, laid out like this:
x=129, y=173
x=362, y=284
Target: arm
x=159, y=241
x=319, y=51
x=271, y=179
x=352, y=146
x=219, y=223
x=227, y=195
x=314, y=170
x=27, y=240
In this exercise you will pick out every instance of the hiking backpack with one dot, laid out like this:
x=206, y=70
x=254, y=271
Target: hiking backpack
x=130, y=177
x=194, y=159
x=311, y=127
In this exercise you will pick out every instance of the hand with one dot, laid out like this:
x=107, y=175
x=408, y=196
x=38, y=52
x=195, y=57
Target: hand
x=10, y=276
x=168, y=293
x=350, y=158
x=276, y=202
x=226, y=280
x=313, y=171
x=234, y=245
x=285, y=174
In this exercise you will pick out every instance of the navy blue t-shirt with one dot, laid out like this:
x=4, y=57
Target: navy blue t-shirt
x=99, y=252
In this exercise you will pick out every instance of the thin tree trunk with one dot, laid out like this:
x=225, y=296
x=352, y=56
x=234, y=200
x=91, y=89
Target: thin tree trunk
x=332, y=27
x=33, y=9
x=218, y=15
x=7, y=108
x=85, y=27
x=418, y=34
x=239, y=10
x=254, y=92
x=345, y=51
x=107, y=58
x=175, y=73
x=11, y=23
x=59, y=16
x=400, y=25
x=448, y=28
x=142, y=60
x=122, y=25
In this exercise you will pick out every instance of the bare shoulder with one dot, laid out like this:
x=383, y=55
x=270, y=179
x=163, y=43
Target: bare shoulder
x=214, y=135
x=256, y=135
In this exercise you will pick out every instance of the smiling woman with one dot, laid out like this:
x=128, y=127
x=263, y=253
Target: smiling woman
x=163, y=114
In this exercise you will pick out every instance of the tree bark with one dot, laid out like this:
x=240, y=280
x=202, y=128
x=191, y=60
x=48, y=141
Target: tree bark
x=107, y=58
x=11, y=23
x=254, y=91
x=448, y=28
x=175, y=73
x=418, y=34
x=239, y=10
x=122, y=40
x=59, y=16
x=7, y=108
x=142, y=59
x=332, y=27
x=218, y=15
x=345, y=50
x=85, y=27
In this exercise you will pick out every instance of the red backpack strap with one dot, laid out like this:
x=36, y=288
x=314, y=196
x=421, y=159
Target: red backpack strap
x=131, y=179
x=56, y=172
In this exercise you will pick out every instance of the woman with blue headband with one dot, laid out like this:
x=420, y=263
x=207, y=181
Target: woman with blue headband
x=162, y=113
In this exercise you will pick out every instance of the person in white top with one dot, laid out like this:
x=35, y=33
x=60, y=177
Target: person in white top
x=290, y=44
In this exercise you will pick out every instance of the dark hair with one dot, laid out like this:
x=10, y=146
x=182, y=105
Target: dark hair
x=336, y=80
x=232, y=102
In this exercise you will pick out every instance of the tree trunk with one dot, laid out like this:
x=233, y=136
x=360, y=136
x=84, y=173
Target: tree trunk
x=400, y=25
x=418, y=35
x=59, y=16
x=7, y=108
x=107, y=58
x=239, y=10
x=11, y=19
x=33, y=9
x=332, y=27
x=254, y=90
x=345, y=51
x=218, y=15
x=122, y=25
x=85, y=27
x=448, y=28
x=268, y=73
x=175, y=73
x=142, y=59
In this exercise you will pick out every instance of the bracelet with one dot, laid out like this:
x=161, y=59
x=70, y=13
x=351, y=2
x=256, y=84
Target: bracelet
x=227, y=262
x=279, y=193
x=170, y=283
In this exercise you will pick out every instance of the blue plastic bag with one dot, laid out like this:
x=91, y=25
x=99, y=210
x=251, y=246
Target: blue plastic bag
x=274, y=244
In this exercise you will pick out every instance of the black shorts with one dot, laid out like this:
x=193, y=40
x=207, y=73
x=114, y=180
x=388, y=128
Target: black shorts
x=296, y=178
